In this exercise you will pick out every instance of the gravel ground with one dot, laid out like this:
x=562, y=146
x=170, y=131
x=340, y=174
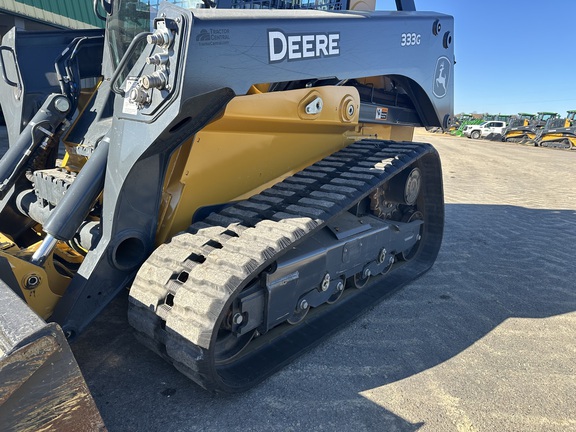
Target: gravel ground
x=483, y=342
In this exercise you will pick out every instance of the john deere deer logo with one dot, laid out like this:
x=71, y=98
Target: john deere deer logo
x=441, y=77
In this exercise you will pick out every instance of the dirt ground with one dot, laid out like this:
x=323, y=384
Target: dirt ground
x=483, y=342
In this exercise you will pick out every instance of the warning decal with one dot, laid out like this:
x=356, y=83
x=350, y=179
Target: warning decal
x=381, y=113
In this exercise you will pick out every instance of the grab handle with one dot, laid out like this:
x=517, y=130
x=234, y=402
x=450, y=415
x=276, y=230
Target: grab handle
x=5, y=78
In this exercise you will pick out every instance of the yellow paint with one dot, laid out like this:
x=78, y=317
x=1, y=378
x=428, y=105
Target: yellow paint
x=558, y=137
x=520, y=134
x=42, y=296
x=386, y=132
x=261, y=139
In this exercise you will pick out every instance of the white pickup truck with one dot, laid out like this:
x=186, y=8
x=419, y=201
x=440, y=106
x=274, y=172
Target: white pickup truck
x=484, y=129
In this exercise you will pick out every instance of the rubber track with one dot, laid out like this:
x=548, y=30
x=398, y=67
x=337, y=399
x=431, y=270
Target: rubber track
x=185, y=285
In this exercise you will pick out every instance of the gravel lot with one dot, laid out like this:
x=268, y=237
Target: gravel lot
x=483, y=342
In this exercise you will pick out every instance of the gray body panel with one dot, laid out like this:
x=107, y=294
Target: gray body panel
x=230, y=48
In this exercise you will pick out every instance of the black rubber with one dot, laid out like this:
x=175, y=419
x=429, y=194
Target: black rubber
x=181, y=294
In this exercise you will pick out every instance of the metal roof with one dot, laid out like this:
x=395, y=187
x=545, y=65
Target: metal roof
x=74, y=14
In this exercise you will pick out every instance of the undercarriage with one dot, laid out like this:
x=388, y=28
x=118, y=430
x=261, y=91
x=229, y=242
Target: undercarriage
x=247, y=289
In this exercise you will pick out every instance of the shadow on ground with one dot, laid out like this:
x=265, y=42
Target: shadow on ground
x=496, y=262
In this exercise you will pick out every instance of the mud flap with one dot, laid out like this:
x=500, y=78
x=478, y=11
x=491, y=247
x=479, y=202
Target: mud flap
x=41, y=386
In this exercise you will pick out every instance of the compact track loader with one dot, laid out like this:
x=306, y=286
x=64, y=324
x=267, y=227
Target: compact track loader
x=247, y=173
x=559, y=133
x=526, y=128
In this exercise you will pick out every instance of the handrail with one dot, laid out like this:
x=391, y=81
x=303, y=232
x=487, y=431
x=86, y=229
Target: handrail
x=11, y=83
x=139, y=37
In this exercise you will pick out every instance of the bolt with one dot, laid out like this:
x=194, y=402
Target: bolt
x=156, y=80
x=325, y=282
x=340, y=286
x=154, y=39
x=62, y=104
x=157, y=59
x=382, y=256
x=367, y=273
x=303, y=304
x=32, y=282
x=161, y=37
x=237, y=318
x=139, y=96
x=350, y=110
x=391, y=260
x=436, y=27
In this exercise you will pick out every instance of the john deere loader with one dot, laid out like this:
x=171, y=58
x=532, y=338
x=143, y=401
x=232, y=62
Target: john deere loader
x=249, y=174
x=559, y=133
x=526, y=127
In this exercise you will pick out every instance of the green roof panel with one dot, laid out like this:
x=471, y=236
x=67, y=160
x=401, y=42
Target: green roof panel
x=62, y=13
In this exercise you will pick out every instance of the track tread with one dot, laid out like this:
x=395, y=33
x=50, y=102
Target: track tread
x=263, y=227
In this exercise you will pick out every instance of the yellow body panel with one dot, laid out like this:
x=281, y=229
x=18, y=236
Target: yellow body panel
x=519, y=134
x=553, y=137
x=558, y=137
x=260, y=140
x=386, y=132
x=41, y=287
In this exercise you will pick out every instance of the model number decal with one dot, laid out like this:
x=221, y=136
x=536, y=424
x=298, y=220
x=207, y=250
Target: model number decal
x=408, y=39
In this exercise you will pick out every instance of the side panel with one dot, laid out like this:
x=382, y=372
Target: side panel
x=238, y=48
x=253, y=47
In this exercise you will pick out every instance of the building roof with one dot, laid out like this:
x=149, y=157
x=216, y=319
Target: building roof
x=61, y=13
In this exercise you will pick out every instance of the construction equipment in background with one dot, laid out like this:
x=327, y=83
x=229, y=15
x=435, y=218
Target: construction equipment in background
x=558, y=133
x=497, y=117
x=522, y=119
x=249, y=174
x=463, y=120
x=527, y=128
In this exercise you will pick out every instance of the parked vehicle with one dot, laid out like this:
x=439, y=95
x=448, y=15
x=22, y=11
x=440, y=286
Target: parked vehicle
x=484, y=129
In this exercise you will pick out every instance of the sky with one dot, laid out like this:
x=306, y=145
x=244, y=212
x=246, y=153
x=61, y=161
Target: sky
x=511, y=55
